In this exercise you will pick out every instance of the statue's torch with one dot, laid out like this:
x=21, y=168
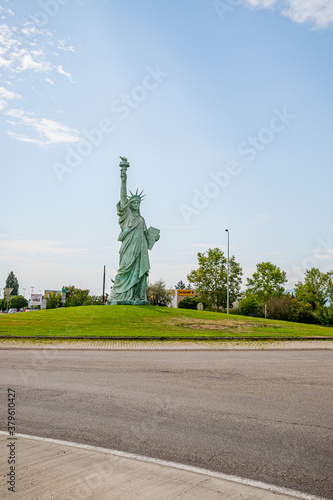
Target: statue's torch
x=124, y=164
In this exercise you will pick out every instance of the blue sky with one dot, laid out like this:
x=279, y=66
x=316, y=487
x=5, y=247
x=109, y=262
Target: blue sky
x=224, y=109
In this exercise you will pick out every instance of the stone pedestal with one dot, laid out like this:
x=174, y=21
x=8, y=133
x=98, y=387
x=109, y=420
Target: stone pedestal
x=128, y=303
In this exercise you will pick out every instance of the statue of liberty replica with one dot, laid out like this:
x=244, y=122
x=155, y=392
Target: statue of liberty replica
x=130, y=284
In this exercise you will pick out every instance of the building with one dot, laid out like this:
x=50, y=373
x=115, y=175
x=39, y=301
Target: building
x=37, y=301
x=178, y=295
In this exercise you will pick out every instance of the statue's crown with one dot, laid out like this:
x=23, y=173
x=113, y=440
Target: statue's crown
x=137, y=196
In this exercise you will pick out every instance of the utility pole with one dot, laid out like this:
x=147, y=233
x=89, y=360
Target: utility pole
x=227, y=230
x=104, y=287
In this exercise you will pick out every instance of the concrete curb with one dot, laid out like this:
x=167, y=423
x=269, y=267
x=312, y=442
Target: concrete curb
x=161, y=339
x=166, y=345
x=48, y=469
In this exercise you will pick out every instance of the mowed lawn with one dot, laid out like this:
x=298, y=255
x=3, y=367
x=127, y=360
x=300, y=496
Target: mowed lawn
x=147, y=321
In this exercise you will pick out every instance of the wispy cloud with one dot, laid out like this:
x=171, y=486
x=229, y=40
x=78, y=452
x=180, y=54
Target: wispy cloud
x=24, y=50
x=49, y=132
x=67, y=48
x=8, y=94
x=319, y=12
x=61, y=71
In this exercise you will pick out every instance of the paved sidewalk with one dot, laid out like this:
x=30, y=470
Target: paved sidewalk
x=164, y=345
x=46, y=471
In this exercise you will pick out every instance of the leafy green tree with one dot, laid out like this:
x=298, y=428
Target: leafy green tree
x=317, y=291
x=157, y=294
x=266, y=282
x=18, y=302
x=53, y=301
x=210, y=279
x=77, y=297
x=316, y=288
x=12, y=282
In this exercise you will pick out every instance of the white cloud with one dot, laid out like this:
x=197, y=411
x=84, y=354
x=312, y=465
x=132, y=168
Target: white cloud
x=325, y=254
x=319, y=12
x=7, y=94
x=25, y=138
x=28, y=49
x=27, y=62
x=68, y=48
x=49, y=132
x=5, y=63
x=61, y=71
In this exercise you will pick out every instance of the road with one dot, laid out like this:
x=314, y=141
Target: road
x=256, y=414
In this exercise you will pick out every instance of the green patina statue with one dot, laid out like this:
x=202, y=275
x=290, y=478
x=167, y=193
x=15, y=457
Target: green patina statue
x=130, y=284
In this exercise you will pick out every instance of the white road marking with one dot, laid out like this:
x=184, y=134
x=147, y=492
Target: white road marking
x=198, y=470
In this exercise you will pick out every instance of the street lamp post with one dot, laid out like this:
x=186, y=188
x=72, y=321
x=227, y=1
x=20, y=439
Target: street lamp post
x=227, y=230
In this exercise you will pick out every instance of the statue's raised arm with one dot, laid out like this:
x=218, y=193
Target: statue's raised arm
x=124, y=165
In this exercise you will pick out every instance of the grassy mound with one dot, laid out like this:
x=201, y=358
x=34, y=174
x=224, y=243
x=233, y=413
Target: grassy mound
x=136, y=321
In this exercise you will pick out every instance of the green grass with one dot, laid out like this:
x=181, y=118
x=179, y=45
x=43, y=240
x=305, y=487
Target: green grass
x=136, y=321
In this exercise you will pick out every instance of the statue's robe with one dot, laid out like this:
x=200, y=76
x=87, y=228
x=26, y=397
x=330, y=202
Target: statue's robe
x=131, y=280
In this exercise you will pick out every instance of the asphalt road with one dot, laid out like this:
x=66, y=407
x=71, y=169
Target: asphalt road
x=256, y=414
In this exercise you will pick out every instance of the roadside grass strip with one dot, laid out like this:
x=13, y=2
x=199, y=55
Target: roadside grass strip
x=135, y=322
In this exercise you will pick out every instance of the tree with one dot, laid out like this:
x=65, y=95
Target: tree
x=12, y=282
x=180, y=285
x=157, y=294
x=77, y=297
x=210, y=279
x=266, y=282
x=317, y=291
x=53, y=301
x=18, y=302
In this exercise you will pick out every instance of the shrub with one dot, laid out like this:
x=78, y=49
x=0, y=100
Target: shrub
x=189, y=303
x=251, y=306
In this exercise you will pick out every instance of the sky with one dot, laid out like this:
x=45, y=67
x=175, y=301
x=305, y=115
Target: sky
x=223, y=108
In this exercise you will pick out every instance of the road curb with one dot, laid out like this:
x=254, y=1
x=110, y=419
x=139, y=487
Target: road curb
x=147, y=339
